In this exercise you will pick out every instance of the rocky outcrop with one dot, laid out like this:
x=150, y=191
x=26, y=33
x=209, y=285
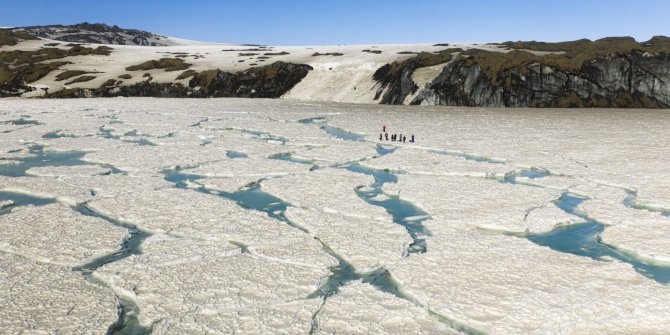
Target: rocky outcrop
x=95, y=33
x=614, y=72
x=14, y=87
x=270, y=81
x=636, y=79
x=394, y=81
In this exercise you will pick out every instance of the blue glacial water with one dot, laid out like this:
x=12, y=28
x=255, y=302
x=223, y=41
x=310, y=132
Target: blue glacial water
x=41, y=158
x=583, y=239
x=404, y=213
x=342, y=134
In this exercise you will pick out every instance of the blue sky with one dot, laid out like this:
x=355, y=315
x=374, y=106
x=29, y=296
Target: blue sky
x=305, y=22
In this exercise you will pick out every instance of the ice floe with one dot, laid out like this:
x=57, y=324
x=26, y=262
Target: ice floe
x=639, y=232
x=328, y=190
x=483, y=203
x=39, y=298
x=173, y=278
x=507, y=285
x=385, y=314
x=57, y=234
x=365, y=243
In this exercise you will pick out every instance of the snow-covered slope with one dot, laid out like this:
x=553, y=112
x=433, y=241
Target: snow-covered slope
x=341, y=73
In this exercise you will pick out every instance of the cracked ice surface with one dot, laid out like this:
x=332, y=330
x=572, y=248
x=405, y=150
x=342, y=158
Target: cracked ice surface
x=251, y=168
x=192, y=214
x=334, y=152
x=287, y=318
x=57, y=234
x=421, y=161
x=364, y=242
x=57, y=171
x=213, y=266
x=642, y=233
x=484, y=203
x=51, y=299
x=385, y=314
x=507, y=285
x=46, y=187
x=623, y=146
x=174, y=278
x=327, y=190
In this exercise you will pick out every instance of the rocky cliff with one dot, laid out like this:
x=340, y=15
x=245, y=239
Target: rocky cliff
x=615, y=72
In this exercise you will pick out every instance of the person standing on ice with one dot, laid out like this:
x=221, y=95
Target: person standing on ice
x=411, y=140
x=387, y=136
x=383, y=128
x=380, y=137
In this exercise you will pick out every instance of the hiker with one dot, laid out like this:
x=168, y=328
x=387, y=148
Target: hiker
x=404, y=139
x=387, y=136
x=383, y=128
x=380, y=137
x=411, y=140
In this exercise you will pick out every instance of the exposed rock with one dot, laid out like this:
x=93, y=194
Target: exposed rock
x=636, y=79
x=169, y=64
x=9, y=37
x=19, y=68
x=612, y=72
x=394, y=81
x=95, y=33
x=270, y=81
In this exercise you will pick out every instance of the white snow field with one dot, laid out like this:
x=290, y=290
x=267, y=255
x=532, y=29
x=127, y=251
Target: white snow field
x=220, y=216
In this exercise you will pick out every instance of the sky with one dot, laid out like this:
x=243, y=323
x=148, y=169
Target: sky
x=330, y=22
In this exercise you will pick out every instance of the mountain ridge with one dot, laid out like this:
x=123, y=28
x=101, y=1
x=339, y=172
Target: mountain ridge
x=609, y=72
x=98, y=33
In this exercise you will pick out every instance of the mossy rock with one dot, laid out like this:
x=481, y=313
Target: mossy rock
x=81, y=80
x=110, y=83
x=316, y=54
x=186, y=74
x=169, y=64
x=282, y=53
x=564, y=56
x=29, y=66
x=9, y=37
x=18, y=57
x=34, y=72
x=69, y=74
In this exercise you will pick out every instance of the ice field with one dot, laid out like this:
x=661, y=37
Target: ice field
x=220, y=216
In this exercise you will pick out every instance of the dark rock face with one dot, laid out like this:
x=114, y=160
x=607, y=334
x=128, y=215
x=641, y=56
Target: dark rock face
x=397, y=86
x=15, y=87
x=270, y=81
x=394, y=81
x=635, y=79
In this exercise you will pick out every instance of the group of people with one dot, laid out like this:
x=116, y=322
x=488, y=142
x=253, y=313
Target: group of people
x=394, y=137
